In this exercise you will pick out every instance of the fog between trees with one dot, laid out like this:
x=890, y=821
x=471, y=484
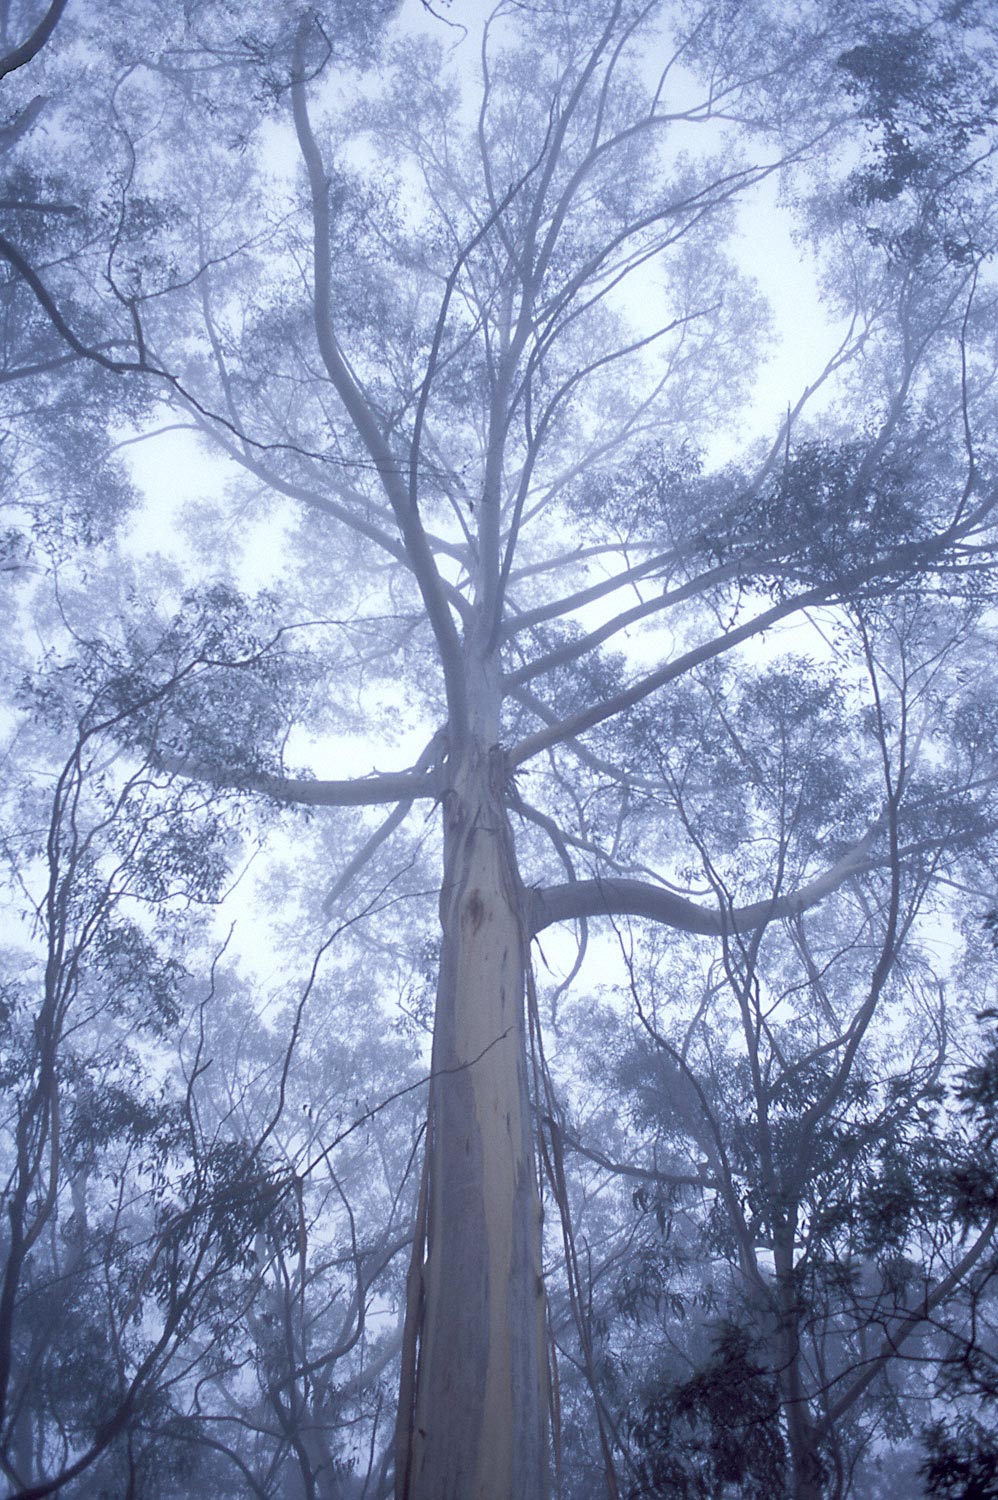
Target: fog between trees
x=499, y=813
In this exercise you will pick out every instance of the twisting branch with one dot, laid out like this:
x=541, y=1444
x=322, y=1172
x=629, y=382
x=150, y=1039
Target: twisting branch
x=419, y=554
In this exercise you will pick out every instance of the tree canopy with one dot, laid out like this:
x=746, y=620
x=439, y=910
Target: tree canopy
x=500, y=801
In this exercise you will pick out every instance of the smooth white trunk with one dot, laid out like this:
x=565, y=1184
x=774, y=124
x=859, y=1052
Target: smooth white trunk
x=480, y=1421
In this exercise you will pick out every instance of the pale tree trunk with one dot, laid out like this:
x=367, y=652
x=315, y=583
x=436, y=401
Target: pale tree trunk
x=479, y=1429
x=806, y=1468
x=807, y=1476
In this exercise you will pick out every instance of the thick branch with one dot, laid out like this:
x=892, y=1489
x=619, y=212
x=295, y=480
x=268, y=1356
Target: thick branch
x=362, y=791
x=22, y=122
x=578, y=723
x=418, y=553
x=35, y=42
x=617, y=897
x=573, y=649
x=849, y=585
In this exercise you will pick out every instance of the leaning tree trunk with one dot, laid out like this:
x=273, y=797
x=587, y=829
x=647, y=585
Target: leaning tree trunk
x=479, y=1417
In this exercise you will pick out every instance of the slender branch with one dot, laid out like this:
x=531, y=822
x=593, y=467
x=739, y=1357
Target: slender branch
x=640, y=1174
x=908, y=1323
x=398, y=815
x=851, y=584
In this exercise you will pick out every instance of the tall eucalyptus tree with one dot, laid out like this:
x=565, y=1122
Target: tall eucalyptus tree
x=470, y=358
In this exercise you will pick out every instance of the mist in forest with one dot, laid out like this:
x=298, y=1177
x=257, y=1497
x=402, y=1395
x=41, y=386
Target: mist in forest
x=499, y=811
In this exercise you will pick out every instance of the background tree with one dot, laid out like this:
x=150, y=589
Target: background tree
x=173, y=1222
x=809, y=1203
